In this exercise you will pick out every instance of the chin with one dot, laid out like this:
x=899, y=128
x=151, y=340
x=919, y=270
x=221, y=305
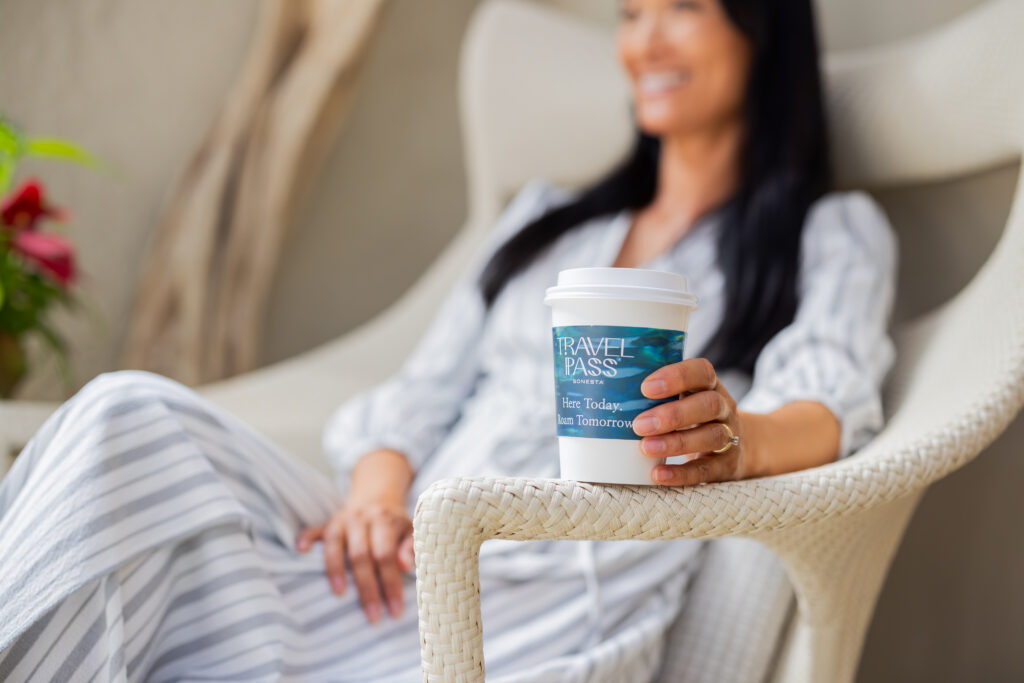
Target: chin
x=660, y=126
x=661, y=117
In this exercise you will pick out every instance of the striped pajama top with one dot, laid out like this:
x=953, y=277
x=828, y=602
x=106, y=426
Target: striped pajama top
x=147, y=534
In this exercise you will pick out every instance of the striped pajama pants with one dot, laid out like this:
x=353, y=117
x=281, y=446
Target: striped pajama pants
x=148, y=535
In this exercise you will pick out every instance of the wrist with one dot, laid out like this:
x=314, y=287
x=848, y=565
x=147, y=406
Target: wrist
x=381, y=476
x=753, y=427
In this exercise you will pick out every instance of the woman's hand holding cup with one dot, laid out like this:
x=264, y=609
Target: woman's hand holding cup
x=692, y=424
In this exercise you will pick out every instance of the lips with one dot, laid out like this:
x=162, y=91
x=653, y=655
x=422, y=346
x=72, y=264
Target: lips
x=657, y=83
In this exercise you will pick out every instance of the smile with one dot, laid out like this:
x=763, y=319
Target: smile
x=654, y=84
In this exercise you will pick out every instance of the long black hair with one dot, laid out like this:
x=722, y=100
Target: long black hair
x=784, y=168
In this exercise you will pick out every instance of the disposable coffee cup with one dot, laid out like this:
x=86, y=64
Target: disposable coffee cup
x=611, y=328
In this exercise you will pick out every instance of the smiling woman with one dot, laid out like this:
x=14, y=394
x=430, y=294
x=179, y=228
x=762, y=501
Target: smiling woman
x=688, y=61
x=731, y=130
x=151, y=535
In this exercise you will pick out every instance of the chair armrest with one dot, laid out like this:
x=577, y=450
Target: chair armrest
x=514, y=508
x=19, y=420
x=455, y=516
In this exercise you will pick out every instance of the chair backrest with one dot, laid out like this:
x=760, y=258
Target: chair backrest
x=541, y=94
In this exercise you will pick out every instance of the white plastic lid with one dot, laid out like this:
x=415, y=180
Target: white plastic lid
x=636, y=284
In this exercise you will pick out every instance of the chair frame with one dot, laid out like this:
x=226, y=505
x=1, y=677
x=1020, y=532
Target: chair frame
x=944, y=104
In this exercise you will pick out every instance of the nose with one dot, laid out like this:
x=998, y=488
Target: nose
x=650, y=35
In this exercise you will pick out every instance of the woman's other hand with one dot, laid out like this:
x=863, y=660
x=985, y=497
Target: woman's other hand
x=371, y=533
x=692, y=424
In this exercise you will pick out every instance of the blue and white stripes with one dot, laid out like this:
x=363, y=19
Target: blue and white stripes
x=146, y=534
x=838, y=349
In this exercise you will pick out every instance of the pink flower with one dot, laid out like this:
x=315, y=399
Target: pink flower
x=25, y=206
x=51, y=254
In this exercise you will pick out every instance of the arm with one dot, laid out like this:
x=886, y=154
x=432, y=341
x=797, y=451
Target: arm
x=382, y=474
x=816, y=394
x=378, y=439
x=797, y=436
x=412, y=411
x=816, y=391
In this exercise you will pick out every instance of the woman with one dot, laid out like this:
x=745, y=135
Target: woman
x=149, y=535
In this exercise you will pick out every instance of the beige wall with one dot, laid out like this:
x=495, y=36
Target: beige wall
x=138, y=81
x=393, y=189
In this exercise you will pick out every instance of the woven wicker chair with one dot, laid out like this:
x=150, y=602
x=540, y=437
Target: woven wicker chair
x=542, y=96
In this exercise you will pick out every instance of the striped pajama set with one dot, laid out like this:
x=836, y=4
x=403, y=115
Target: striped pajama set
x=147, y=534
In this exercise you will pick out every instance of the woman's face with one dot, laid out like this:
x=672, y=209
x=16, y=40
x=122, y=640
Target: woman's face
x=686, y=61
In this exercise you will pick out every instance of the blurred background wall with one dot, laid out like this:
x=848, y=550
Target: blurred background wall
x=138, y=81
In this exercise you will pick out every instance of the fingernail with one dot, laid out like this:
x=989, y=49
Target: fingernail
x=646, y=425
x=653, y=446
x=373, y=611
x=396, y=607
x=662, y=474
x=654, y=387
x=337, y=585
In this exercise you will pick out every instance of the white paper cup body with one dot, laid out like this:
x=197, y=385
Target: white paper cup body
x=615, y=460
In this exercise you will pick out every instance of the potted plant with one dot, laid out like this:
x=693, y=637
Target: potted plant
x=37, y=262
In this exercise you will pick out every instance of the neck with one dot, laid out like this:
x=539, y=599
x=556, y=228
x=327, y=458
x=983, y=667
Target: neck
x=697, y=171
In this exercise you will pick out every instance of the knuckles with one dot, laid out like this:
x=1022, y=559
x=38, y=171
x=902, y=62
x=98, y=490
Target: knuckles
x=688, y=375
x=384, y=555
x=703, y=406
x=708, y=371
x=703, y=470
x=721, y=433
x=711, y=403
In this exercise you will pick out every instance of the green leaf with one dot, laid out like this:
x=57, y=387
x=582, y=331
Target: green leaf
x=57, y=148
x=6, y=173
x=12, y=142
x=1, y=293
x=12, y=148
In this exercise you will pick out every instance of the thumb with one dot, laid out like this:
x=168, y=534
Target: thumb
x=406, y=557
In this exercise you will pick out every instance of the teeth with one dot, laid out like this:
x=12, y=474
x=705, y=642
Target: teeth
x=656, y=82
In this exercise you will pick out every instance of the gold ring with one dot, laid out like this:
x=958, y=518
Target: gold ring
x=733, y=440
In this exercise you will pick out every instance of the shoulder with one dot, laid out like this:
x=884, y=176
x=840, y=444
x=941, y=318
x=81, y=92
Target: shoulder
x=533, y=198
x=841, y=225
x=541, y=191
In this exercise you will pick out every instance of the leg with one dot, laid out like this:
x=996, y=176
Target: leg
x=140, y=508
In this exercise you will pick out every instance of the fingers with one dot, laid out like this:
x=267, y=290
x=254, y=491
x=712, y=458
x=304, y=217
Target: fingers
x=363, y=571
x=376, y=543
x=692, y=374
x=334, y=553
x=694, y=409
x=707, y=437
x=304, y=541
x=384, y=550
x=701, y=470
x=406, y=557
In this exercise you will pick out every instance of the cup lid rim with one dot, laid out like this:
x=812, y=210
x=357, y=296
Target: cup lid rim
x=628, y=292
x=639, y=284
